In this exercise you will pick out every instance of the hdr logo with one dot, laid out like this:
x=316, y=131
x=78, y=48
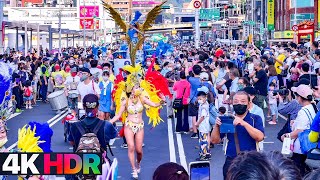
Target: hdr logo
x=50, y=164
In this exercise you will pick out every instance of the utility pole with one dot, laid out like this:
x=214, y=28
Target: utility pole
x=197, y=28
x=1, y=30
x=59, y=29
x=84, y=29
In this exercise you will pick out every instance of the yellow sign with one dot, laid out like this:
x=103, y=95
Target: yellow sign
x=250, y=38
x=270, y=17
x=283, y=35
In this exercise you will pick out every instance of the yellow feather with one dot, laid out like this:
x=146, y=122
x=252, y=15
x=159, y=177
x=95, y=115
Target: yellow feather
x=116, y=17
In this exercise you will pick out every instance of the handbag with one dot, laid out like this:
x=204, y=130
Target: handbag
x=286, y=147
x=178, y=102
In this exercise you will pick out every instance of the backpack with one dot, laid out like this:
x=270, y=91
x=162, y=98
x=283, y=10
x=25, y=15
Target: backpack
x=27, y=92
x=213, y=112
x=89, y=141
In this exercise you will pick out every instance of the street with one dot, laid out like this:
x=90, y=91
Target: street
x=161, y=143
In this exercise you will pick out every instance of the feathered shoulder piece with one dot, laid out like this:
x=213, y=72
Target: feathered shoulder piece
x=35, y=137
x=160, y=83
x=5, y=90
x=118, y=94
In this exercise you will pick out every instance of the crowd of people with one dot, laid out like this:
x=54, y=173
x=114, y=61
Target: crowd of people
x=250, y=85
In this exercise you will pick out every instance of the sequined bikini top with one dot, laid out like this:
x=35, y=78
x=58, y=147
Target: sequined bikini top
x=135, y=108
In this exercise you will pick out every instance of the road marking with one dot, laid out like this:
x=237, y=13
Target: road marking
x=266, y=142
x=52, y=119
x=182, y=155
x=13, y=115
x=283, y=117
x=172, y=149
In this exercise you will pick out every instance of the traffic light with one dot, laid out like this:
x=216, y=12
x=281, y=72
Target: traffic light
x=227, y=22
x=230, y=6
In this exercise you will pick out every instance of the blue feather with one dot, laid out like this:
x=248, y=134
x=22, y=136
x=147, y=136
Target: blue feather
x=137, y=15
x=45, y=133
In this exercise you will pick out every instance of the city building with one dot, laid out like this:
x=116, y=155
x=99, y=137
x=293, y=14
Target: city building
x=291, y=12
x=122, y=6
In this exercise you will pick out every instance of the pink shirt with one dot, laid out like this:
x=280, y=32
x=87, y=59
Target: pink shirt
x=179, y=87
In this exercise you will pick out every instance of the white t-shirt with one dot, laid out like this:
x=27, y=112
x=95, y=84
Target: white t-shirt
x=204, y=126
x=85, y=89
x=303, y=121
x=316, y=65
x=72, y=84
x=250, y=67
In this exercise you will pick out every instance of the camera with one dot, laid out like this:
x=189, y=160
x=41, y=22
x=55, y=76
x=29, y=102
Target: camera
x=281, y=92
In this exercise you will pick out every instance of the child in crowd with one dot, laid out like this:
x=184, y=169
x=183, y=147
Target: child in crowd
x=203, y=126
x=273, y=104
x=27, y=94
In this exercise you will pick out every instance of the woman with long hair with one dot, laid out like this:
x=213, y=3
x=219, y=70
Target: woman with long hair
x=131, y=96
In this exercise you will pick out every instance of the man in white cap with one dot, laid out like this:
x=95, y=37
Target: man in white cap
x=303, y=121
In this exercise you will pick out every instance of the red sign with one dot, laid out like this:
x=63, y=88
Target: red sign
x=23, y=2
x=305, y=28
x=197, y=4
x=89, y=22
x=294, y=28
x=89, y=11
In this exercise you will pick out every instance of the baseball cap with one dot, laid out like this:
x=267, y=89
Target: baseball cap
x=317, y=52
x=203, y=89
x=85, y=70
x=45, y=59
x=90, y=102
x=204, y=76
x=304, y=91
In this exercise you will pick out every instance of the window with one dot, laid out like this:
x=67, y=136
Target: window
x=302, y=3
x=301, y=18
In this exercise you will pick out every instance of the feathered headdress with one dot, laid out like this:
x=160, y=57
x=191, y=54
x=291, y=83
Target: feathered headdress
x=150, y=19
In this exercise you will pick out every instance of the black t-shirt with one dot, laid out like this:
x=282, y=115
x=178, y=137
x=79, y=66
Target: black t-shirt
x=262, y=84
x=313, y=77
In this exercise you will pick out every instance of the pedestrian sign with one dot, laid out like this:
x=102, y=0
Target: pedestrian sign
x=210, y=14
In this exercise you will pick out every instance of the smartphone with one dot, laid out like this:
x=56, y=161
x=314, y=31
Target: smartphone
x=227, y=124
x=199, y=170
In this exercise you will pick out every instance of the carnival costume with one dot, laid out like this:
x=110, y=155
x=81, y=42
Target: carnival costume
x=153, y=85
x=5, y=109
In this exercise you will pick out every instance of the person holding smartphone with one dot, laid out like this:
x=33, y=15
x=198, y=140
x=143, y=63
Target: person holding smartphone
x=248, y=125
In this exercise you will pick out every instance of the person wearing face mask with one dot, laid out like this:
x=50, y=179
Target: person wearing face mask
x=71, y=84
x=172, y=76
x=279, y=65
x=105, y=101
x=248, y=130
x=58, y=78
x=87, y=86
x=165, y=69
x=107, y=67
x=303, y=121
x=44, y=77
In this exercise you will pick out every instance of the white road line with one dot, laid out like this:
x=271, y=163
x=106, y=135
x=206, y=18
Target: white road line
x=182, y=155
x=283, y=117
x=172, y=149
x=13, y=115
x=54, y=121
x=266, y=142
x=56, y=116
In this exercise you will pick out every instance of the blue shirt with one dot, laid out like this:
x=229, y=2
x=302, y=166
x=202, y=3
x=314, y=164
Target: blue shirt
x=195, y=84
x=246, y=142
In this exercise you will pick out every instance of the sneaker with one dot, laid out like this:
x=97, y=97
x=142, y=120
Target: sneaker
x=185, y=132
x=178, y=132
x=211, y=146
x=143, y=145
x=208, y=156
x=134, y=174
x=202, y=158
x=272, y=123
x=194, y=136
x=30, y=107
x=124, y=145
x=18, y=110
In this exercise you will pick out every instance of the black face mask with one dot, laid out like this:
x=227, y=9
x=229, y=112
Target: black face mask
x=240, y=109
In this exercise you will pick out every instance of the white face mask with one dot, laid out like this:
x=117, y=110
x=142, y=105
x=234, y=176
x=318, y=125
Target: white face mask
x=200, y=101
x=105, y=78
x=170, y=69
x=3, y=141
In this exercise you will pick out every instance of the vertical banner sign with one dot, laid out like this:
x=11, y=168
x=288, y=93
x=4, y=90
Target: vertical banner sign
x=270, y=7
x=87, y=15
x=318, y=13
